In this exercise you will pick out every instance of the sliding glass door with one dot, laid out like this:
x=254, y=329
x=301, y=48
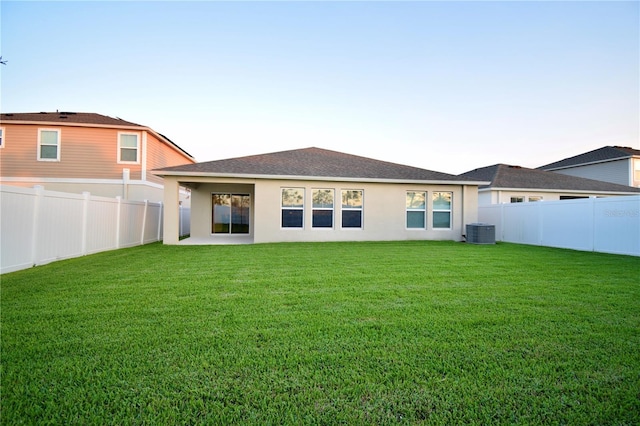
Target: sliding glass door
x=230, y=213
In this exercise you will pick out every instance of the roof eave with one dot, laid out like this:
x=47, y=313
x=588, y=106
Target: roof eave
x=314, y=178
x=127, y=126
x=572, y=166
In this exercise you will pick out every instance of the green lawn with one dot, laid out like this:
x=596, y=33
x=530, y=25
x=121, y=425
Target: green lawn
x=333, y=333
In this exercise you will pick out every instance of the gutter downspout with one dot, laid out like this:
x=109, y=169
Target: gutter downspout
x=462, y=227
x=144, y=157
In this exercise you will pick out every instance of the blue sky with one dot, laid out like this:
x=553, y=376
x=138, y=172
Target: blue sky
x=446, y=86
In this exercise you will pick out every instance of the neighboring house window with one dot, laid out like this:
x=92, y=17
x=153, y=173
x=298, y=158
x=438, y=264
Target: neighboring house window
x=517, y=199
x=416, y=209
x=442, y=210
x=292, y=207
x=128, y=148
x=49, y=145
x=352, y=208
x=322, y=208
x=535, y=198
x=1, y=137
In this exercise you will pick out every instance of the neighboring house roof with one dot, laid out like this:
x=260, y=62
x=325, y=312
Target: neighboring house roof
x=68, y=117
x=87, y=119
x=503, y=176
x=313, y=163
x=607, y=153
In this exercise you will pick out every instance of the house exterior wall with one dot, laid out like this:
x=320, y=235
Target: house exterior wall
x=495, y=196
x=159, y=154
x=384, y=213
x=617, y=171
x=88, y=161
x=85, y=152
x=383, y=217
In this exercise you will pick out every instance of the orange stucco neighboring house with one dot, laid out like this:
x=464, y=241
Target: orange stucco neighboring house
x=86, y=152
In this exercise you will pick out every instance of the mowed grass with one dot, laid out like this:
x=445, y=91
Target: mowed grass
x=330, y=333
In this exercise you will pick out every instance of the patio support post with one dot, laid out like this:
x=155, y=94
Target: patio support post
x=171, y=225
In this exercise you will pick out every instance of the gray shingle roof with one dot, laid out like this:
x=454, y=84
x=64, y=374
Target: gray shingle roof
x=597, y=155
x=506, y=176
x=66, y=117
x=312, y=162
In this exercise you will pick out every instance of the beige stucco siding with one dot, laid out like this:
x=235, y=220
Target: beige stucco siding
x=384, y=210
x=384, y=213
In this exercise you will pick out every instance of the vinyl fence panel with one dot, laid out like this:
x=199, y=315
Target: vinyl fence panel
x=58, y=227
x=16, y=228
x=567, y=224
x=38, y=226
x=131, y=220
x=517, y=227
x=153, y=223
x=101, y=224
x=618, y=225
x=608, y=225
x=185, y=221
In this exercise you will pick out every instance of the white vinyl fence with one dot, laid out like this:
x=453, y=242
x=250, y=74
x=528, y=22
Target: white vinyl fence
x=608, y=225
x=38, y=226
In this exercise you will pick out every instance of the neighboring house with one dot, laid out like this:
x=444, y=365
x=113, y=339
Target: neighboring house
x=615, y=164
x=78, y=152
x=515, y=184
x=314, y=194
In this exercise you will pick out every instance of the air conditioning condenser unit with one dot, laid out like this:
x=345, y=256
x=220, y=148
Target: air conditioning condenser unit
x=481, y=233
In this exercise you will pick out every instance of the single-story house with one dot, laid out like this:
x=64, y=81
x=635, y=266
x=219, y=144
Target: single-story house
x=515, y=184
x=315, y=194
x=615, y=164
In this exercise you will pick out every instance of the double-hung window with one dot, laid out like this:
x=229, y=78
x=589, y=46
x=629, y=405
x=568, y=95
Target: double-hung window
x=292, y=206
x=416, y=209
x=48, y=145
x=128, y=148
x=442, y=210
x=322, y=216
x=352, y=208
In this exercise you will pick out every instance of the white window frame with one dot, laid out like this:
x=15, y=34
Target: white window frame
x=360, y=209
x=522, y=199
x=535, y=198
x=58, y=144
x=449, y=210
x=331, y=209
x=424, y=211
x=138, y=151
x=292, y=208
x=2, y=137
